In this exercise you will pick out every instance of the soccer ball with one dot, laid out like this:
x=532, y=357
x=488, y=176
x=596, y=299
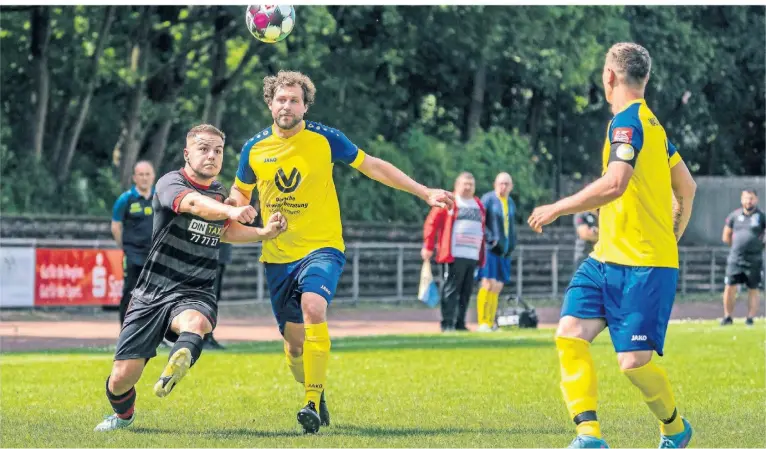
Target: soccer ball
x=270, y=23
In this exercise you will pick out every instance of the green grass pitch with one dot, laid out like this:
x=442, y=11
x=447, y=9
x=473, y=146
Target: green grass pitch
x=453, y=390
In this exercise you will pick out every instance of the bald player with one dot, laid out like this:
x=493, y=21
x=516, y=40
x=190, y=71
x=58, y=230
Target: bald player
x=501, y=240
x=132, y=217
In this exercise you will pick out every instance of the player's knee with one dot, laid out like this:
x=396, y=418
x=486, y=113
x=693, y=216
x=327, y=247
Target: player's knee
x=633, y=360
x=124, y=375
x=497, y=287
x=486, y=284
x=314, y=308
x=294, y=349
x=569, y=326
x=196, y=323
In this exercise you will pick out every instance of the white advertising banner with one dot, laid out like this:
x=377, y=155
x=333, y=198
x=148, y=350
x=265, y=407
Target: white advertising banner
x=17, y=277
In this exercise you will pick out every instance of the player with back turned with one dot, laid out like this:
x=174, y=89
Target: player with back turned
x=291, y=164
x=174, y=296
x=628, y=284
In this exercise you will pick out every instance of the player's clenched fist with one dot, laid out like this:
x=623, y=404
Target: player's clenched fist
x=244, y=214
x=276, y=225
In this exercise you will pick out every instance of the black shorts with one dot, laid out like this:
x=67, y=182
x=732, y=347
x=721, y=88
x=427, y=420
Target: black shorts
x=147, y=323
x=748, y=274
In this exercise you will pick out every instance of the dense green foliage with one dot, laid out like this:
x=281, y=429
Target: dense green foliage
x=450, y=390
x=436, y=89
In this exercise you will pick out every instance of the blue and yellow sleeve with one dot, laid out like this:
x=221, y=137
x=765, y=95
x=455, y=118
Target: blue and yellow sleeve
x=344, y=150
x=626, y=135
x=245, y=179
x=118, y=210
x=674, y=157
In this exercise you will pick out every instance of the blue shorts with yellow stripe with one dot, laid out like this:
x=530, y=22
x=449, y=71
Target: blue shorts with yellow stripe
x=318, y=273
x=635, y=302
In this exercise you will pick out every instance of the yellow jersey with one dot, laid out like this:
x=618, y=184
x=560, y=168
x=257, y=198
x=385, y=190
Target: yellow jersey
x=294, y=176
x=506, y=222
x=637, y=228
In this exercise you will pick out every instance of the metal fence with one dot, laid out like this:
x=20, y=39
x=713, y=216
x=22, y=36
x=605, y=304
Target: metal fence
x=391, y=271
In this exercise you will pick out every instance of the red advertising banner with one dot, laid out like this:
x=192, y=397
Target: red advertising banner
x=77, y=277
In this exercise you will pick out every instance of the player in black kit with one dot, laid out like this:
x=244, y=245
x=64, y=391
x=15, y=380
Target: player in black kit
x=175, y=296
x=744, y=232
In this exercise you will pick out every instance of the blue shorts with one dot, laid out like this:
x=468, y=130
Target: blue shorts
x=496, y=267
x=635, y=302
x=318, y=273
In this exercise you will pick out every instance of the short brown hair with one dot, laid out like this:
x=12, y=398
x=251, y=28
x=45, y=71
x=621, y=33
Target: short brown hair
x=205, y=128
x=285, y=78
x=632, y=60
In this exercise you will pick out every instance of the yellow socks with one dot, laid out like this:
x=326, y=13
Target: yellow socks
x=481, y=306
x=578, y=384
x=486, y=307
x=296, y=366
x=492, y=300
x=654, y=385
x=316, y=354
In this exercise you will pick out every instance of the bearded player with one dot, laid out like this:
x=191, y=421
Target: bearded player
x=291, y=164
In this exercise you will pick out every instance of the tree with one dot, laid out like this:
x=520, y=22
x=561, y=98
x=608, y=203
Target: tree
x=87, y=94
x=38, y=51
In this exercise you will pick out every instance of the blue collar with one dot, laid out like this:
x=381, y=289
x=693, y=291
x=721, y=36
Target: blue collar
x=134, y=192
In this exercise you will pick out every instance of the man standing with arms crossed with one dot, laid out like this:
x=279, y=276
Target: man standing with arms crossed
x=645, y=197
x=744, y=233
x=132, y=217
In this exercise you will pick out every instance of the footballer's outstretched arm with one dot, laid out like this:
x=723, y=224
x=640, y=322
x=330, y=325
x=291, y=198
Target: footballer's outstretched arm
x=599, y=193
x=239, y=233
x=210, y=209
x=595, y=195
x=684, y=189
x=386, y=173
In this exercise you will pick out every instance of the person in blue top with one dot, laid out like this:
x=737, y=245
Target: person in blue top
x=501, y=240
x=132, y=217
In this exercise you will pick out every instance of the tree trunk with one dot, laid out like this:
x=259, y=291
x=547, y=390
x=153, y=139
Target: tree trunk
x=132, y=142
x=41, y=34
x=534, y=118
x=62, y=121
x=159, y=142
x=559, y=152
x=214, y=101
x=177, y=73
x=477, y=98
x=87, y=95
x=130, y=146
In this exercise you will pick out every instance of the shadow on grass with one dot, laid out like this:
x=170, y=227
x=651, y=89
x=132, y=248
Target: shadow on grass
x=355, y=430
x=220, y=433
x=439, y=342
x=374, y=431
x=417, y=342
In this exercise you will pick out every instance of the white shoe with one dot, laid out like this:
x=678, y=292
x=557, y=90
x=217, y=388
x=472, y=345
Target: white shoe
x=484, y=328
x=114, y=422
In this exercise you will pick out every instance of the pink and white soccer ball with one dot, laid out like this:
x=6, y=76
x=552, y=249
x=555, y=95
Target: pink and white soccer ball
x=270, y=23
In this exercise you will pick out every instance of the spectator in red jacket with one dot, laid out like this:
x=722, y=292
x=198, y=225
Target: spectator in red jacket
x=458, y=235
